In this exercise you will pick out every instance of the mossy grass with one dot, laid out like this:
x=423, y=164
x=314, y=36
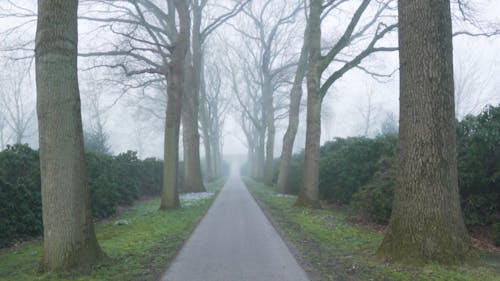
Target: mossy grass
x=333, y=248
x=140, y=250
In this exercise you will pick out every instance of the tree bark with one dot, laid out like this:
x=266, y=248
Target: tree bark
x=205, y=128
x=426, y=224
x=170, y=197
x=216, y=149
x=193, y=181
x=271, y=131
x=293, y=118
x=309, y=191
x=69, y=237
x=259, y=164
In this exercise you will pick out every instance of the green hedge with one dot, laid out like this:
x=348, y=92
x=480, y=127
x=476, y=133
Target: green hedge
x=113, y=180
x=348, y=164
x=361, y=172
x=478, y=148
x=20, y=200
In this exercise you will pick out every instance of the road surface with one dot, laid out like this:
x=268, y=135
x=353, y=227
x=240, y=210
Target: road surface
x=235, y=242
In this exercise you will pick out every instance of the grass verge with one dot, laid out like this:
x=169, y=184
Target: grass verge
x=334, y=249
x=139, y=250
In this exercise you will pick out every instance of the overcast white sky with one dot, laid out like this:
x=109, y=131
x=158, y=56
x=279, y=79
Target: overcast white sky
x=342, y=105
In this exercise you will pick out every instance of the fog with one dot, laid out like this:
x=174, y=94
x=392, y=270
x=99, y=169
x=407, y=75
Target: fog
x=133, y=118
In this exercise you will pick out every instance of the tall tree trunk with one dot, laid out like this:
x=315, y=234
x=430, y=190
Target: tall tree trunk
x=426, y=224
x=217, y=153
x=69, y=237
x=293, y=118
x=289, y=138
x=251, y=159
x=259, y=166
x=271, y=131
x=205, y=128
x=309, y=191
x=170, y=197
x=193, y=181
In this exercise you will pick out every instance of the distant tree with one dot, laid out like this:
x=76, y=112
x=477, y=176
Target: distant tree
x=193, y=70
x=389, y=124
x=96, y=141
x=17, y=104
x=266, y=43
x=69, y=237
x=368, y=113
x=471, y=86
x=3, y=137
x=426, y=223
x=94, y=136
x=293, y=118
x=213, y=109
x=245, y=86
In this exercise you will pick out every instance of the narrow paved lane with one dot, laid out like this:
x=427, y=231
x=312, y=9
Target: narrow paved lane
x=235, y=242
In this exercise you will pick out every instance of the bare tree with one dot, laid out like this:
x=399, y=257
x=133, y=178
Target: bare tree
x=293, y=117
x=3, y=137
x=95, y=137
x=155, y=37
x=389, y=124
x=267, y=43
x=147, y=32
x=215, y=104
x=194, y=63
x=471, y=86
x=245, y=86
x=368, y=114
x=19, y=110
x=362, y=34
x=170, y=198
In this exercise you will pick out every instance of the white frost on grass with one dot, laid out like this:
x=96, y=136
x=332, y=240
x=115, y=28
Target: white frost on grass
x=189, y=199
x=285, y=196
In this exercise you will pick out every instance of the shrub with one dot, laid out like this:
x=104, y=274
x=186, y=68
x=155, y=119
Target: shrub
x=478, y=142
x=151, y=177
x=347, y=164
x=374, y=200
x=103, y=190
x=20, y=199
x=126, y=177
x=113, y=180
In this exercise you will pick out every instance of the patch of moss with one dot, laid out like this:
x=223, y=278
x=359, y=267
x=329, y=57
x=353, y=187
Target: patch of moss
x=140, y=250
x=337, y=250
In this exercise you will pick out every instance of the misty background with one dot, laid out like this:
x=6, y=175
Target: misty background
x=132, y=117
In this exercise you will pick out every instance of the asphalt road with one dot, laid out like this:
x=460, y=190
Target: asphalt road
x=235, y=242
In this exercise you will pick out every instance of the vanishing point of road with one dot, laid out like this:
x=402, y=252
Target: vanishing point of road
x=235, y=242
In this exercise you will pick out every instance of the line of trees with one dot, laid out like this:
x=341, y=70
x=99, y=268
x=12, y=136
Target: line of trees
x=426, y=222
x=152, y=44
x=184, y=60
x=157, y=49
